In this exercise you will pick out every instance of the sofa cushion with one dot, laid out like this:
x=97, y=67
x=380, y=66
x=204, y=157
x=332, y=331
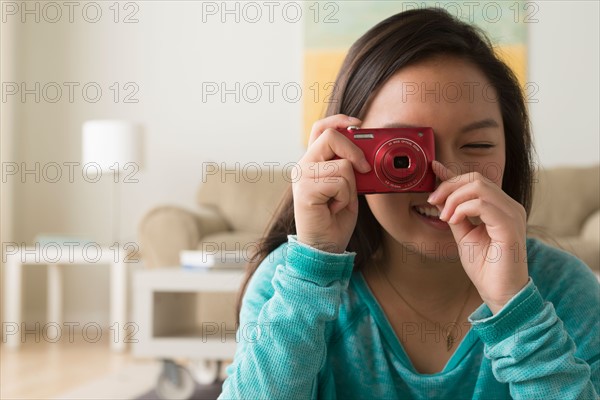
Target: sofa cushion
x=585, y=250
x=564, y=198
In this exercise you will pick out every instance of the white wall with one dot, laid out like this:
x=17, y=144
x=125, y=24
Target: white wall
x=8, y=63
x=564, y=48
x=169, y=54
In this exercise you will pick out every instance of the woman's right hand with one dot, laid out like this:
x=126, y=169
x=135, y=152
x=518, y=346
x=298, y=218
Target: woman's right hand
x=325, y=197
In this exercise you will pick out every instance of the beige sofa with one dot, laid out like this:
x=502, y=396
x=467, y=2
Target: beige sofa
x=567, y=205
x=232, y=211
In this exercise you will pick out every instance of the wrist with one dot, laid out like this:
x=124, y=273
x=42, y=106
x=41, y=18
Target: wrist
x=322, y=245
x=516, y=314
x=317, y=266
x=497, y=304
x=495, y=307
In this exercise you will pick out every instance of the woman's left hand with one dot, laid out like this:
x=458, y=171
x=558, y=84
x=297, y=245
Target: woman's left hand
x=492, y=253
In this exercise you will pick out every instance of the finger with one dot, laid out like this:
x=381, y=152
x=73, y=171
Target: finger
x=461, y=229
x=444, y=174
x=449, y=186
x=474, y=190
x=332, y=143
x=341, y=201
x=338, y=121
x=496, y=222
x=324, y=169
x=333, y=191
x=328, y=170
x=464, y=225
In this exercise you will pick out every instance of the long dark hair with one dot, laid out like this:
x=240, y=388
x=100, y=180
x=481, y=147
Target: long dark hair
x=397, y=42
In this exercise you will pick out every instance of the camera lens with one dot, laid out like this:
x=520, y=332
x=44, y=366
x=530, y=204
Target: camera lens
x=401, y=162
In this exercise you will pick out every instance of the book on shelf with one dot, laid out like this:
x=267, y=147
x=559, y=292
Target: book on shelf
x=201, y=260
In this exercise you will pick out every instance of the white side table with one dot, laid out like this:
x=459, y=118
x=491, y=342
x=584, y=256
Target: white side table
x=153, y=339
x=164, y=331
x=53, y=256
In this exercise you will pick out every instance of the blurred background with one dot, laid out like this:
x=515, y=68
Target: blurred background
x=189, y=86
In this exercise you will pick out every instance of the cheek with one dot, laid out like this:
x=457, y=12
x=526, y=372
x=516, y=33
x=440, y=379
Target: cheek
x=494, y=171
x=492, y=168
x=388, y=206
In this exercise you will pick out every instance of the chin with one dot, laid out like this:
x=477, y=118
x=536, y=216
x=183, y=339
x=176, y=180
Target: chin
x=408, y=219
x=439, y=248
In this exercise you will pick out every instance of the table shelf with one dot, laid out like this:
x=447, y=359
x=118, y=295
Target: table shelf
x=165, y=304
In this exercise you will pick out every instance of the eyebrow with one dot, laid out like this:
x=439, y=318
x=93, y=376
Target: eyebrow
x=484, y=123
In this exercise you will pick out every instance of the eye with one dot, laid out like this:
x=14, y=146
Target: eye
x=479, y=146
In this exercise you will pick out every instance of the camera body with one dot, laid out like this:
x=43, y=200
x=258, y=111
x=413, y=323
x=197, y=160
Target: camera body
x=400, y=159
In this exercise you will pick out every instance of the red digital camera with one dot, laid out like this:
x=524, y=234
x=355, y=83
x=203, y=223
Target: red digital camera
x=400, y=158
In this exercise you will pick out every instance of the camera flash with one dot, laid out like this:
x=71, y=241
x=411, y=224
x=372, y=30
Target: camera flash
x=363, y=136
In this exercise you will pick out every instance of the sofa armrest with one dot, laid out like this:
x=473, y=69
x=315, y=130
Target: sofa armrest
x=210, y=221
x=166, y=230
x=591, y=228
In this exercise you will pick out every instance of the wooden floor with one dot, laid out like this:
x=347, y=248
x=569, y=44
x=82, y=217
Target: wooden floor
x=45, y=370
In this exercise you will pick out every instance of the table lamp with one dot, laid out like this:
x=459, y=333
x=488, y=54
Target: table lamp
x=115, y=146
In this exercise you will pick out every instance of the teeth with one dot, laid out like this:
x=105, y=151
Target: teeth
x=428, y=211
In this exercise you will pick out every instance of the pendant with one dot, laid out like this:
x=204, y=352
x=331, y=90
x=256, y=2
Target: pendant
x=449, y=342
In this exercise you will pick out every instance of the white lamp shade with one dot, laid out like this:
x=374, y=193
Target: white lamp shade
x=107, y=142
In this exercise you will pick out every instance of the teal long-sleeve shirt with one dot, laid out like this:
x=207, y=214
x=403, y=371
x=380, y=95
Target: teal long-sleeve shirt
x=311, y=328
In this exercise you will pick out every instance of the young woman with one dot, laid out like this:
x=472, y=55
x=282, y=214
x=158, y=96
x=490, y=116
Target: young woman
x=417, y=295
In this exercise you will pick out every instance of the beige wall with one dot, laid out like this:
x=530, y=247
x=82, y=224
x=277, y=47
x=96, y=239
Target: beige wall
x=169, y=54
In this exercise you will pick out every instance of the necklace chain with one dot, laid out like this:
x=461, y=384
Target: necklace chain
x=449, y=338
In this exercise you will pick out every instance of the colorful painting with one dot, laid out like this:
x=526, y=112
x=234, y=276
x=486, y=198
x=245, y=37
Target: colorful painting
x=332, y=27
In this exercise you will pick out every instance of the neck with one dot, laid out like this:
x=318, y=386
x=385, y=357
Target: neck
x=429, y=280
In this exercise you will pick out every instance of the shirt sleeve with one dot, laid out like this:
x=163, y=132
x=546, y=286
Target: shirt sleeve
x=531, y=349
x=281, y=337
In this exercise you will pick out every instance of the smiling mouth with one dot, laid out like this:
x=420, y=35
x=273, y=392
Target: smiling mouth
x=427, y=211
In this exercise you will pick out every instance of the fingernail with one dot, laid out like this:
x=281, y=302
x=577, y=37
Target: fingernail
x=442, y=215
x=431, y=198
